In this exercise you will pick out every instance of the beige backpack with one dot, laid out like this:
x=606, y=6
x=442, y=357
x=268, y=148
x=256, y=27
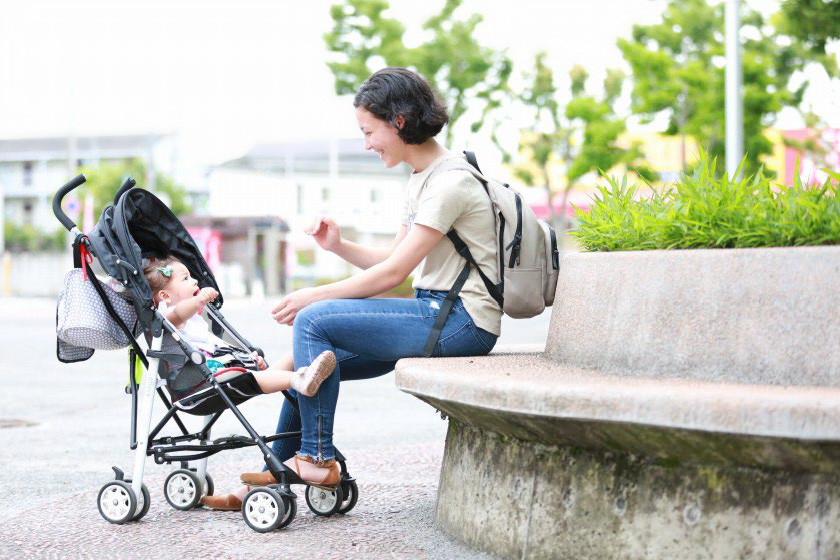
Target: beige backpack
x=526, y=252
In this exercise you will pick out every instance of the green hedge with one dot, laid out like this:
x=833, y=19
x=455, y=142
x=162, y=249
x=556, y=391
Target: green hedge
x=27, y=238
x=704, y=211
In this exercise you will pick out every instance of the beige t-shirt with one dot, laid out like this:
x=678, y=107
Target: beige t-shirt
x=455, y=200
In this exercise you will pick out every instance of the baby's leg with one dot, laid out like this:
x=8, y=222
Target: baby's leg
x=287, y=362
x=274, y=379
x=306, y=381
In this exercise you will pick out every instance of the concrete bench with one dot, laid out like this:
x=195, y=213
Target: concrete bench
x=686, y=405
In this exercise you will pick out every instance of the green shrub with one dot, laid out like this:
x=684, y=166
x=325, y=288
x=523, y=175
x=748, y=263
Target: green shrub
x=27, y=238
x=702, y=211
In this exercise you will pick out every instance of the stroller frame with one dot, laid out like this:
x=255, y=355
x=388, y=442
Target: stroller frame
x=123, y=500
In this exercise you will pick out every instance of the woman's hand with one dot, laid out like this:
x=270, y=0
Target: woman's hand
x=288, y=308
x=326, y=233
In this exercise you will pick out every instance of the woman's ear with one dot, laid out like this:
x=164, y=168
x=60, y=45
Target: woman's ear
x=399, y=122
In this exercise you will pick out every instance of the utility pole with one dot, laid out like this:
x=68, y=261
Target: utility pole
x=734, y=96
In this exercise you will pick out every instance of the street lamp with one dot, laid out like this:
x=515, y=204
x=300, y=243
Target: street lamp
x=734, y=96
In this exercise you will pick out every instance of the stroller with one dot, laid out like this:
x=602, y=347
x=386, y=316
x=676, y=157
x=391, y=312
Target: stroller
x=140, y=226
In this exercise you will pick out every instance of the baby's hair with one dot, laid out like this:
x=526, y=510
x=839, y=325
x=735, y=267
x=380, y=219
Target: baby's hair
x=156, y=279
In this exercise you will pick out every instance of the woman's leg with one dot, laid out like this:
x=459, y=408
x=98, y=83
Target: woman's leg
x=289, y=420
x=374, y=331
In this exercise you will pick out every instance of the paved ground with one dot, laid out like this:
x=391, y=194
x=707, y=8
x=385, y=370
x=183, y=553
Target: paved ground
x=63, y=426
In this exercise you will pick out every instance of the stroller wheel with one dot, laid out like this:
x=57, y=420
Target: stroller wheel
x=263, y=509
x=324, y=502
x=117, y=502
x=143, y=501
x=291, y=511
x=351, y=495
x=208, y=485
x=182, y=489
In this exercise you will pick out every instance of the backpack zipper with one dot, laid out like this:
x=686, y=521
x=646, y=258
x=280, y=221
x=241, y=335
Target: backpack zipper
x=515, y=244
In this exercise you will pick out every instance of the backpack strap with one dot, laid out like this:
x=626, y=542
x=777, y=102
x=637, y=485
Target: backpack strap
x=496, y=292
x=471, y=159
x=440, y=320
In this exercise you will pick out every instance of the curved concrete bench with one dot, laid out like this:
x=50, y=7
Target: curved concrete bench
x=686, y=405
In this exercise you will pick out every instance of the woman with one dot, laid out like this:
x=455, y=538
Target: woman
x=399, y=115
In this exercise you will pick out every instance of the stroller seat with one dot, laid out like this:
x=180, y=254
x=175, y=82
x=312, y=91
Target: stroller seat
x=239, y=384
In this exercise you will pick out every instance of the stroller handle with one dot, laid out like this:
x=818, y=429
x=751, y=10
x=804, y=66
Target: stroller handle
x=62, y=192
x=127, y=185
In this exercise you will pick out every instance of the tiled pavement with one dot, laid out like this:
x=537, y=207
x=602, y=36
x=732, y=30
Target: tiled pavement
x=53, y=468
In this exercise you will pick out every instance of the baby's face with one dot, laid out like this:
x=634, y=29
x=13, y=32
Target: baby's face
x=181, y=285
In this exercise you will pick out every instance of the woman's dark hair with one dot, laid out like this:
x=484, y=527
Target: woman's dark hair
x=393, y=92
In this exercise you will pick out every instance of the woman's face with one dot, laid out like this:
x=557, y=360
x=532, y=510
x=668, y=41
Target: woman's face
x=381, y=137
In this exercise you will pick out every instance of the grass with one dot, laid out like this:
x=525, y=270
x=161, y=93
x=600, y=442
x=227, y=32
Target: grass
x=704, y=211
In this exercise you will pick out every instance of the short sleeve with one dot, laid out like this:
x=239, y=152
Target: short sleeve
x=443, y=200
x=405, y=211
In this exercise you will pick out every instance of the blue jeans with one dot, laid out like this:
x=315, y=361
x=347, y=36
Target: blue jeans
x=368, y=336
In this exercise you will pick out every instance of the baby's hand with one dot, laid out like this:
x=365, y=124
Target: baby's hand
x=259, y=359
x=206, y=295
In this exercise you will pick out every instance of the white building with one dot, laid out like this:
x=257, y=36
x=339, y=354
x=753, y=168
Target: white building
x=297, y=182
x=32, y=169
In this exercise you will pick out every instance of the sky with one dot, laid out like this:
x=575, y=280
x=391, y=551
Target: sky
x=225, y=75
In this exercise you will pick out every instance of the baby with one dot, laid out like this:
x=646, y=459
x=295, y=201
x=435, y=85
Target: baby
x=181, y=301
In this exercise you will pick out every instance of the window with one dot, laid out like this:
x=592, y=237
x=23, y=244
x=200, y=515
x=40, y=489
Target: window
x=27, y=173
x=325, y=194
x=299, y=199
x=375, y=195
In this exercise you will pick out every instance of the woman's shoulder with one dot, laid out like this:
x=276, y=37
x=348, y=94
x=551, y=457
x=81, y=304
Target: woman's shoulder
x=452, y=171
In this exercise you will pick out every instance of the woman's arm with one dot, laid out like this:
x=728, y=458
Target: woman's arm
x=328, y=236
x=410, y=249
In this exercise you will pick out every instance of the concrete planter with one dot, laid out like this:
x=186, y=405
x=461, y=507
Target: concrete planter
x=687, y=405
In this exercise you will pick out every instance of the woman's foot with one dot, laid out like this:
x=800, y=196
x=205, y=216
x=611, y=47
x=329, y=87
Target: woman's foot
x=327, y=474
x=306, y=381
x=228, y=502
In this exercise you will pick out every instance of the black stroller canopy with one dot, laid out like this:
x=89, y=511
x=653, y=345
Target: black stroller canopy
x=141, y=226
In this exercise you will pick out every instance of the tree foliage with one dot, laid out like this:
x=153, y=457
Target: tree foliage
x=814, y=22
x=583, y=135
x=105, y=179
x=678, y=68
x=465, y=73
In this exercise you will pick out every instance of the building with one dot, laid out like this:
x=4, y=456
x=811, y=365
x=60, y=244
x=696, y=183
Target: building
x=806, y=151
x=296, y=183
x=32, y=169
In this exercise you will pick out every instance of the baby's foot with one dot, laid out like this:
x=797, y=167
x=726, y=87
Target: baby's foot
x=306, y=381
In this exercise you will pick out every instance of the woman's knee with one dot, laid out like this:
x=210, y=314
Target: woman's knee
x=310, y=317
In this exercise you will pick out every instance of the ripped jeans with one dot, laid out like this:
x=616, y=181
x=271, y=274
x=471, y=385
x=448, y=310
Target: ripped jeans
x=368, y=336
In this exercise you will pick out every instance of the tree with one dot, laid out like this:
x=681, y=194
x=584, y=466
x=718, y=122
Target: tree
x=583, y=135
x=549, y=136
x=811, y=21
x=104, y=179
x=678, y=68
x=465, y=73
